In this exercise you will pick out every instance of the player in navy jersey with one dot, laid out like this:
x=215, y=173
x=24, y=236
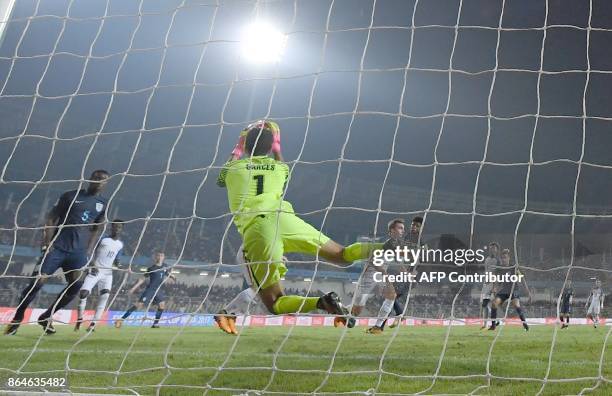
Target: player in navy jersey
x=71, y=232
x=153, y=293
x=508, y=291
x=566, y=305
x=402, y=289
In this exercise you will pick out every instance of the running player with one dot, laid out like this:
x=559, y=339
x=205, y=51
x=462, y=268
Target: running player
x=396, y=229
x=566, y=304
x=402, y=290
x=101, y=274
x=486, y=294
x=153, y=293
x=69, y=237
x=595, y=303
x=507, y=291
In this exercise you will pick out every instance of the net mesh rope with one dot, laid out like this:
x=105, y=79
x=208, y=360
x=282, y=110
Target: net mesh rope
x=229, y=127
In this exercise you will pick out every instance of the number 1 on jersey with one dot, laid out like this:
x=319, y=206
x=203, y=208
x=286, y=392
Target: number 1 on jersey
x=260, y=183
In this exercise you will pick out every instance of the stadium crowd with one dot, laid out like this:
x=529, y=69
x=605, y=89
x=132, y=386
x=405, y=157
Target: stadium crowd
x=169, y=235
x=188, y=298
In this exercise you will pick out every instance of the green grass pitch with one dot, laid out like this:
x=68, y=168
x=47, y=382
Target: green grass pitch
x=185, y=363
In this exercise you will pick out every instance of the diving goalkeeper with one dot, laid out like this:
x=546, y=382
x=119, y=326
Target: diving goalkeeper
x=269, y=226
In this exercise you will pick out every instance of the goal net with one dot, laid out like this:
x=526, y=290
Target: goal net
x=487, y=118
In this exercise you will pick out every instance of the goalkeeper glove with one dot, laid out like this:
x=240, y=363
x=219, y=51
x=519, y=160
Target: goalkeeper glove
x=239, y=148
x=276, y=147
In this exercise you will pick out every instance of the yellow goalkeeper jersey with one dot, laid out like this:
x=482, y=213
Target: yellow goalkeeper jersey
x=255, y=186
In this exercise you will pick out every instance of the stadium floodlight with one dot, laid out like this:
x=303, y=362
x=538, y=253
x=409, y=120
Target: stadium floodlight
x=262, y=43
x=226, y=275
x=307, y=280
x=204, y=273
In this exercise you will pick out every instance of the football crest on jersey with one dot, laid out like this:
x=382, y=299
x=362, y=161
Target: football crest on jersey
x=99, y=206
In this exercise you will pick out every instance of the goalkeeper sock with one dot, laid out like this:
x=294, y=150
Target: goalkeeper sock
x=158, y=315
x=384, y=311
x=293, y=304
x=129, y=312
x=493, y=314
x=521, y=315
x=359, y=250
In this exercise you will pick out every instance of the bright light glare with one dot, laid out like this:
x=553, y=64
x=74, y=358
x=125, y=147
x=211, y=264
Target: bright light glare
x=262, y=43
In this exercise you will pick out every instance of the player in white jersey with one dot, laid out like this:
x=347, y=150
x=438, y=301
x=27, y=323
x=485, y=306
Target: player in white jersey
x=486, y=294
x=595, y=303
x=100, y=273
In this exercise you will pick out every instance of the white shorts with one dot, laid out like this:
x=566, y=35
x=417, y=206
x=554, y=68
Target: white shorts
x=487, y=290
x=103, y=279
x=365, y=287
x=594, y=308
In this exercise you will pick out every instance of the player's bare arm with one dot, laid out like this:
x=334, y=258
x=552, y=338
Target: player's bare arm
x=136, y=286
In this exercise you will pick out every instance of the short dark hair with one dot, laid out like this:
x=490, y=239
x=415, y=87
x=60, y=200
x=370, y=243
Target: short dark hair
x=417, y=219
x=99, y=171
x=262, y=137
x=395, y=222
x=118, y=221
x=494, y=244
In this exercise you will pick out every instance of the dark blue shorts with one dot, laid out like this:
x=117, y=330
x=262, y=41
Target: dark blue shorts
x=566, y=308
x=506, y=295
x=67, y=261
x=152, y=293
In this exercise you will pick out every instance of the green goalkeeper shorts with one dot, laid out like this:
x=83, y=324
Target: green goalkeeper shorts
x=269, y=236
